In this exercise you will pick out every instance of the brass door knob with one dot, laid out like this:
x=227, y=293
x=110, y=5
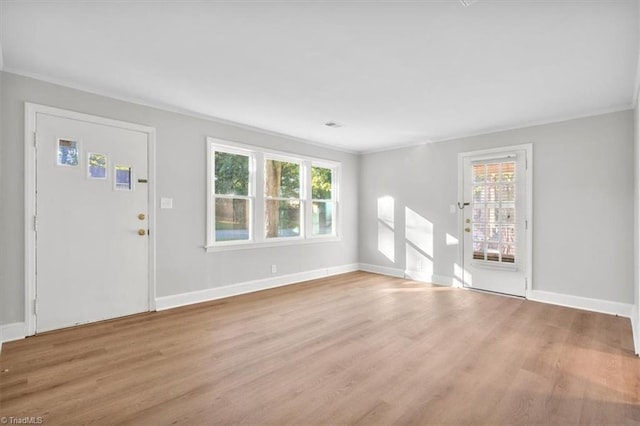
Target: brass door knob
x=142, y=232
x=141, y=216
x=467, y=229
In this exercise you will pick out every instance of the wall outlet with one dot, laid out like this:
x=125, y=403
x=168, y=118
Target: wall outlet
x=274, y=269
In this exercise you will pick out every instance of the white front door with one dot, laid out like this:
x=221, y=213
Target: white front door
x=92, y=248
x=494, y=221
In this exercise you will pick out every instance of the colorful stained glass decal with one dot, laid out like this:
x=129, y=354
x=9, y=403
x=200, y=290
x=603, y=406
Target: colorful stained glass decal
x=67, y=152
x=122, y=177
x=97, y=166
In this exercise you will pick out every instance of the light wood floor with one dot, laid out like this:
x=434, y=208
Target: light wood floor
x=352, y=349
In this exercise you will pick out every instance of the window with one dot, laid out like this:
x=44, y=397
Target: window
x=283, y=203
x=260, y=197
x=232, y=195
x=67, y=152
x=322, y=198
x=122, y=179
x=494, y=198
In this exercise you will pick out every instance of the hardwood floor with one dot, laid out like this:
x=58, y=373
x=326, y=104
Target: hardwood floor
x=357, y=348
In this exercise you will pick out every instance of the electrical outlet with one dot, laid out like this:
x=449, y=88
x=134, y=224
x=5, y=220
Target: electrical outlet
x=274, y=269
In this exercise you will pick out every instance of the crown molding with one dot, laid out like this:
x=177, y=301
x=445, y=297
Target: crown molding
x=498, y=129
x=171, y=108
x=247, y=127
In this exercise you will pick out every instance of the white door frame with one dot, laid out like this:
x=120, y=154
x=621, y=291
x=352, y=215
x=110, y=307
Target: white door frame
x=30, y=199
x=489, y=153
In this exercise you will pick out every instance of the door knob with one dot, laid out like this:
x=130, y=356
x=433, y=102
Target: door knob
x=467, y=229
x=142, y=232
x=141, y=216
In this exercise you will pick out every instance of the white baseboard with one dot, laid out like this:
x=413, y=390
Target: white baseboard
x=11, y=332
x=443, y=280
x=595, y=305
x=383, y=270
x=174, y=301
x=635, y=328
x=429, y=278
x=418, y=276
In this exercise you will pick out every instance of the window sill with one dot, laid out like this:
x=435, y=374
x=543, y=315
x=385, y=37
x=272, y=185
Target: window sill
x=270, y=244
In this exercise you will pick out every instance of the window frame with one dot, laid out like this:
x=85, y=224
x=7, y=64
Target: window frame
x=335, y=179
x=257, y=189
x=220, y=146
x=301, y=196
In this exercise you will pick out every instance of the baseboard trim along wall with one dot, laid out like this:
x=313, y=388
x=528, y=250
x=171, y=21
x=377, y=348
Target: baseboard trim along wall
x=382, y=270
x=429, y=278
x=174, y=301
x=635, y=328
x=596, y=305
x=11, y=332
x=588, y=304
x=16, y=331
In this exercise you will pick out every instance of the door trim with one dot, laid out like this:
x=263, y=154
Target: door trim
x=491, y=153
x=31, y=110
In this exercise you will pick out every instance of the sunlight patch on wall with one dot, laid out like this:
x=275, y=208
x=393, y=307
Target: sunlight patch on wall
x=419, y=265
x=419, y=231
x=459, y=280
x=418, y=246
x=386, y=227
x=450, y=240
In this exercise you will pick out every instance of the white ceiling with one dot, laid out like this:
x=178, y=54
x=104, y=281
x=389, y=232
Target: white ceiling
x=393, y=73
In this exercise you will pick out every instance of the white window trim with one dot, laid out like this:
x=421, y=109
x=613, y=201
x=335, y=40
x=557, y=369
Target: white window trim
x=257, y=157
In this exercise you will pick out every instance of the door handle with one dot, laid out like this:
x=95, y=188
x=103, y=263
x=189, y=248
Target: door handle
x=142, y=232
x=467, y=229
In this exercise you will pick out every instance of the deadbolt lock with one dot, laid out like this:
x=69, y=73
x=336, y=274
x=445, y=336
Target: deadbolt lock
x=467, y=229
x=141, y=216
x=467, y=220
x=142, y=232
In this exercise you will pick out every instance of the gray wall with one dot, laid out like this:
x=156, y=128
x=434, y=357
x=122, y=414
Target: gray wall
x=583, y=201
x=183, y=265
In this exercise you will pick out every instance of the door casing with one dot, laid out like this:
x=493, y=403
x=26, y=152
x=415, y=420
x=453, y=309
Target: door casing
x=31, y=111
x=489, y=153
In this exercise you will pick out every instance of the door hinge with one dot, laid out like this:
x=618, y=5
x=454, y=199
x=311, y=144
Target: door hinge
x=526, y=284
x=35, y=139
x=35, y=306
x=526, y=224
x=35, y=223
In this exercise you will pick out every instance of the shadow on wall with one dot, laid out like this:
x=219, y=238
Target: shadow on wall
x=386, y=227
x=419, y=235
x=418, y=246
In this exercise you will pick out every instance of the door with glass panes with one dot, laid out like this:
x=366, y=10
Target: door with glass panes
x=92, y=249
x=494, y=222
